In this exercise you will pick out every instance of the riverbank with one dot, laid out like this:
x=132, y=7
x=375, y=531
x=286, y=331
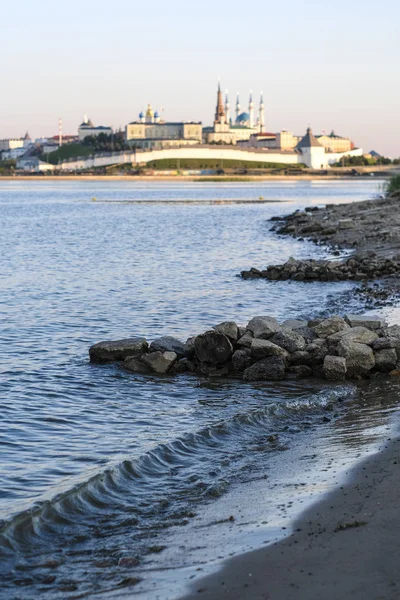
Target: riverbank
x=344, y=547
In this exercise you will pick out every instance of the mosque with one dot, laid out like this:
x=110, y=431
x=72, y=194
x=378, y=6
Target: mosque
x=225, y=131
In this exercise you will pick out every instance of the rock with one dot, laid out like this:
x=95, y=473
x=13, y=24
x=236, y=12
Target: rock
x=307, y=333
x=386, y=359
x=330, y=326
x=346, y=224
x=135, y=365
x=334, y=368
x=159, y=362
x=182, y=365
x=364, y=321
x=228, y=328
x=262, y=348
x=246, y=339
x=289, y=339
x=110, y=351
x=300, y=371
x=168, y=344
x=188, y=348
x=361, y=335
x=241, y=331
x=263, y=327
x=301, y=357
x=384, y=343
x=272, y=368
x=293, y=323
x=241, y=359
x=213, y=348
x=393, y=331
x=359, y=357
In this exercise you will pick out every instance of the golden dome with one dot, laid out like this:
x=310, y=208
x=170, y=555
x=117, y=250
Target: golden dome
x=149, y=112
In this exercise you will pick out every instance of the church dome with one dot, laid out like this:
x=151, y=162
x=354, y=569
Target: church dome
x=243, y=118
x=156, y=115
x=141, y=115
x=149, y=112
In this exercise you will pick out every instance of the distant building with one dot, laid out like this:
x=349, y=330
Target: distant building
x=312, y=152
x=335, y=143
x=151, y=132
x=33, y=164
x=225, y=131
x=12, y=143
x=86, y=129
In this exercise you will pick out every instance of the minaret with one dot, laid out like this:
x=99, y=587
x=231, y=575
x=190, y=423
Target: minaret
x=237, y=106
x=251, y=110
x=219, y=113
x=262, y=114
x=227, y=108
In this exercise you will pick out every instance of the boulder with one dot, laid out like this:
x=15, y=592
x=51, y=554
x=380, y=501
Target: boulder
x=135, y=365
x=262, y=348
x=263, y=327
x=361, y=335
x=188, y=348
x=111, y=351
x=271, y=368
x=334, y=368
x=330, y=326
x=301, y=357
x=228, y=328
x=359, y=357
x=289, y=339
x=300, y=371
x=365, y=321
x=393, y=331
x=384, y=343
x=241, y=359
x=307, y=333
x=213, y=348
x=168, y=344
x=386, y=360
x=293, y=323
x=159, y=362
x=246, y=339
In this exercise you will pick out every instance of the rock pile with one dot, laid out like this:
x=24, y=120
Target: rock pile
x=358, y=267
x=336, y=348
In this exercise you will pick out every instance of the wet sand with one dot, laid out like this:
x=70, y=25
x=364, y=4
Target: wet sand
x=347, y=546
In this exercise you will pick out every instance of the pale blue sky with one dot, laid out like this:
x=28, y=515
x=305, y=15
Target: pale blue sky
x=330, y=65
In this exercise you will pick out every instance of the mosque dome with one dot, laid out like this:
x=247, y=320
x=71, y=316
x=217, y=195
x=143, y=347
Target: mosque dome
x=156, y=115
x=243, y=118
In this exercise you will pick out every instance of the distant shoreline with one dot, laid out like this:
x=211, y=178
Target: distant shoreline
x=192, y=178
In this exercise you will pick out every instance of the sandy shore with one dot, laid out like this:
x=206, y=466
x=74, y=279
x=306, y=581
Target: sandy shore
x=345, y=547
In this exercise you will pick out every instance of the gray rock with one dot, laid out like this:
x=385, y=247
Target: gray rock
x=188, y=348
x=386, y=359
x=241, y=331
x=365, y=321
x=384, y=343
x=346, y=224
x=359, y=357
x=330, y=326
x=159, y=362
x=300, y=371
x=393, y=331
x=135, y=365
x=307, y=333
x=293, y=323
x=301, y=357
x=168, y=344
x=213, y=348
x=272, y=368
x=289, y=339
x=246, y=339
x=241, y=359
x=111, y=351
x=334, y=368
x=262, y=348
x=263, y=327
x=361, y=335
x=228, y=328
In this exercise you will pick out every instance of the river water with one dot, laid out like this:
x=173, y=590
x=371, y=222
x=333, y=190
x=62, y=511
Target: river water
x=98, y=466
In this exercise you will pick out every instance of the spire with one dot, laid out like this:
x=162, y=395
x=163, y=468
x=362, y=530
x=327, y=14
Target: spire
x=262, y=113
x=251, y=110
x=227, y=107
x=237, y=106
x=220, y=112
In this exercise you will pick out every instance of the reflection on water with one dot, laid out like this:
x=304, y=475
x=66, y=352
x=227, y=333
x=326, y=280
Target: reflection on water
x=101, y=459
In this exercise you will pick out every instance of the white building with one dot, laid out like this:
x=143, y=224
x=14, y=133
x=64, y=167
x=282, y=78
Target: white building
x=12, y=143
x=86, y=129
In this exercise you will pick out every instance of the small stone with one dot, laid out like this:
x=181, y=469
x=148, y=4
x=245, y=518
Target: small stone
x=365, y=321
x=159, y=362
x=334, y=368
x=263, y=327
x=384, y=343
x=289, y=339
x=300, y=371
x=241, y=359
x=246, y=339
x=262, y=348
x=386, y=359
x=118, y=350
x=135, y=365
x=300, y=357
x=361, y=335
x=346, y=224
x=293, y=324
x=330, y=326
x=359, y=357
x=188, y=348
x=168, y=344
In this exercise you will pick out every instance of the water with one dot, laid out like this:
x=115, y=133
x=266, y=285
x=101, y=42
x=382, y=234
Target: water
x=95, y=462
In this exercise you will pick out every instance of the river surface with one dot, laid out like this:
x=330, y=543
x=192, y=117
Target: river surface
x=99, y=466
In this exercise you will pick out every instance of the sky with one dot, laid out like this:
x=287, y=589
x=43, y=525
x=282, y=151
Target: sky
x=328, y=65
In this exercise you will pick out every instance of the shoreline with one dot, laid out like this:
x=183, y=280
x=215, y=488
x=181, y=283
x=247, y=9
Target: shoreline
x=344, y=546
x=195, y=178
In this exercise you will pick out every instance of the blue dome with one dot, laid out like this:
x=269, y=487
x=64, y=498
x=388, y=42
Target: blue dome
x=243, y=117
x=156, y=115
x=141, y=115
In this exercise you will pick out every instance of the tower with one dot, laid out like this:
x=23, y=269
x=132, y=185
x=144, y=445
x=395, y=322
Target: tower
x=237, y=110
x=60, y=135
x=262, y=114
x=227, y=108
x=220, y=112
x=251, y=110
